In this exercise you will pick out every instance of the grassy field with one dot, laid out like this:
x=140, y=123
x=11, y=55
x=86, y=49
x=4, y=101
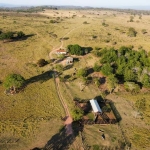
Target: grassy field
x=31, y=115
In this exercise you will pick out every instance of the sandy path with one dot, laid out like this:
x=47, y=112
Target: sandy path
x=62, y=43
x=68, y=120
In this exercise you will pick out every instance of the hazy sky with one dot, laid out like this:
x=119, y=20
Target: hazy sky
x=98, y=3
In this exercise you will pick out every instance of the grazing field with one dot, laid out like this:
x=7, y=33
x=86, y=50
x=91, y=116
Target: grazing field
x=32, y=117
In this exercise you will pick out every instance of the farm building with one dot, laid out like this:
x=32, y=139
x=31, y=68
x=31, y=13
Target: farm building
x=61, y=51
x=99, y=116
x=95, y=106
x=69, y=60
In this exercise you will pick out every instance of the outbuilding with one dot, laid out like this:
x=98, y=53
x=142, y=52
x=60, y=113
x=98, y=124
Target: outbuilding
x=95, y=106
x=61, y=51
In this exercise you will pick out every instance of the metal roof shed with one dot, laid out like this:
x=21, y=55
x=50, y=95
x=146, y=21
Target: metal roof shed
x=95, y=106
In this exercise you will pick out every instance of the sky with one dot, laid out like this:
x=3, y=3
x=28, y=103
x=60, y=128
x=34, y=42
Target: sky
x=95, y=3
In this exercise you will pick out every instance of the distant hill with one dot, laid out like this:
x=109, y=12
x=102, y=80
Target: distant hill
x=4, y=5
x=7, y=5
x=136, y=7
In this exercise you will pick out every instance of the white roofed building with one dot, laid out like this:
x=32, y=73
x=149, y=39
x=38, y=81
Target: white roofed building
x=95, y=106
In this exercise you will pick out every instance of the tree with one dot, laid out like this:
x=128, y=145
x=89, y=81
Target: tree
x=131, y=32
x=41, y=62
x=129, y=75
x=20, y=34
x=75, y=49
x=97, y=82
x=96, y=67
x=82, y=72
x=77, y=114
x=6, y=36
x=107, y=69
x=131, y=18
x=112, y=82
x=14, y=81
x=146, y=80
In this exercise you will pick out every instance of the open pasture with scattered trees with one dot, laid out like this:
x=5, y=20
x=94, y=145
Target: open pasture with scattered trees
x=111, y=53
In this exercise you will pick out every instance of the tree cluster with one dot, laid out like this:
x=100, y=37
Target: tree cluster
x=75, y=49
x=127, y=65
x=11, y=35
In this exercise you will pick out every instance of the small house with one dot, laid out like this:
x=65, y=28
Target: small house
x=69, y=60
x=95, y=106
x=61, y=51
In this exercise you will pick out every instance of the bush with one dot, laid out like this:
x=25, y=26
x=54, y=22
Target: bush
x=132, y=87
x=132, y=32
x=144, y=31
x=41, y=62
x=96, y=147
x=114, y=43
x=96, y=67
x=59, y=67
x=82, y=73
x=77, y=114
x=97, y=48
x=53, y=21
x=20, y=34
x=107, y=69
x=107, y=41
x=85, y=22
x=106, y=109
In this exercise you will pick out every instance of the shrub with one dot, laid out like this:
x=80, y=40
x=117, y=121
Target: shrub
x=131, y=32
x=82, y=73
x=41, y=62
x=96, y=67
x=77, y=114
x=96, y=147
x=20, y=34
x=107, y=41
x=144, y=31
x=97, y=48
x=114, y=43
x=107, y=69
x=53, y=21
x=106, y=109
x=132, y=87
x=85, y=22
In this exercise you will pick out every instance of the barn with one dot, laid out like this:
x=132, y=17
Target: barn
x=95, y=106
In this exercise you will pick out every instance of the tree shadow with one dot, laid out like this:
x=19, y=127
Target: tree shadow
x=40, y=78
x=102, y=80
x=61, y=141
x=90, y=71
x=14, y=39
x=87, y=49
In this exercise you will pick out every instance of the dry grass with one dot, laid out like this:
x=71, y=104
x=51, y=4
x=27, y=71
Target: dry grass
x=136, y=130
x=111, y=132
x=22, y=114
